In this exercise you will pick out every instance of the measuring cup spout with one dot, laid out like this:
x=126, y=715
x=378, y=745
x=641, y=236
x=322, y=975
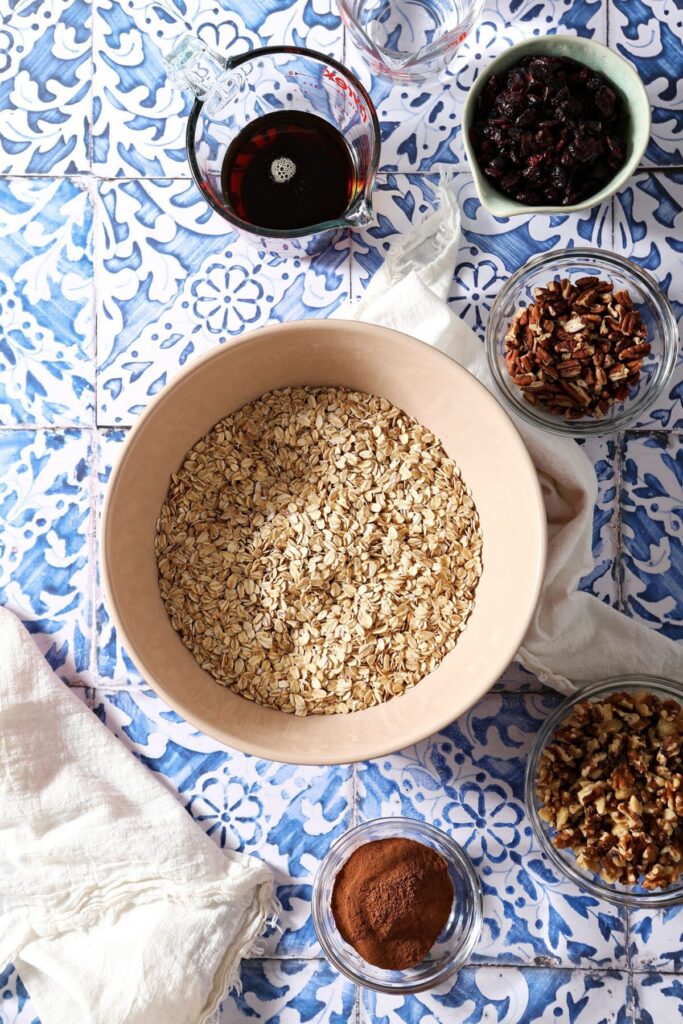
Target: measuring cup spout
x=361, y=213
x=192, y=65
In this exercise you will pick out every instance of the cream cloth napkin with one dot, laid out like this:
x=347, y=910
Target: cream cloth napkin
x=115, y=906
x=573, y=638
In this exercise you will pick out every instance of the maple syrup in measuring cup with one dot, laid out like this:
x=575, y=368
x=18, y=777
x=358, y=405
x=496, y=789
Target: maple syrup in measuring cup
x=273, y=172
x=283, y=142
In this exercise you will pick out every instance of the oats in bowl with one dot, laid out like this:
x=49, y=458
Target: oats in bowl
x=318, y=551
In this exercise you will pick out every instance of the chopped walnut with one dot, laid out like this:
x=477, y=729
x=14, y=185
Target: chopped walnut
x=611, y=786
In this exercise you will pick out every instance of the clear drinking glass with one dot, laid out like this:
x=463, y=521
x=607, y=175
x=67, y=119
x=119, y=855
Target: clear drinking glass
x=232, y=92
x=409, y=40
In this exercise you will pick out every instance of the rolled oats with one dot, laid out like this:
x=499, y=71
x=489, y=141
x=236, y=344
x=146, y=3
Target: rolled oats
x=318, y=551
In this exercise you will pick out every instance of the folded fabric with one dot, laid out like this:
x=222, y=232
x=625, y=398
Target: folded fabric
x=115, y=906
x=574, y=638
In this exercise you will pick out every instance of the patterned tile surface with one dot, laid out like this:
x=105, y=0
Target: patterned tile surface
x=652, y=525
x=101, y=227
x=509, y=996
x=648, y=226
x=658, y=997
x=47, y=331
x=45, y=77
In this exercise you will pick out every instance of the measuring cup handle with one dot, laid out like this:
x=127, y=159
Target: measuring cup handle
x=193, y=65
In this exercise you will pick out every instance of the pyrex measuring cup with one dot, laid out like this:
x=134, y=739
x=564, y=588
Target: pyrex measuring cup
x=409, y=40
x=232, y=92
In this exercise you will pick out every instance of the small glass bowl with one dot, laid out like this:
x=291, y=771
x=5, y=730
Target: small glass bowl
x=564, y=860
x=456, y=942
x=648, y=299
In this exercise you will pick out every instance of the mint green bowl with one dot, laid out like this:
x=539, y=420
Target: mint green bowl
x=623, y=79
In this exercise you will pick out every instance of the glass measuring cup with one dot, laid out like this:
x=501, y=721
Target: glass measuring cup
x=232, y=92
x=409, y=40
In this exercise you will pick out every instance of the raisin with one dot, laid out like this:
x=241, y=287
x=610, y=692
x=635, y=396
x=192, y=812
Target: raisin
x=549, y=131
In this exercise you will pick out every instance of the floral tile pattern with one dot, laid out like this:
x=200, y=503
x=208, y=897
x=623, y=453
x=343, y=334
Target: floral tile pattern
x=114, y=274
x=469, y=780
x=510, y=996
x=648, y=33
x=47, y=335
x=290, y=992
x=658, y=997
x=652, y=525
x=46, y=541
x=656, y=940
x=139, y=124
x=603, y=581
x=648, y=227
x=45, y=76
x=173, y=281
x=113, y=664
x=285, y=814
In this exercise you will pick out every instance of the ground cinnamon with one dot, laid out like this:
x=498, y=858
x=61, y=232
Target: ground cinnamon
x=391, y=900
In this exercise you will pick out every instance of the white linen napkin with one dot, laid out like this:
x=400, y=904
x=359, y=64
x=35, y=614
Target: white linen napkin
x=115, y=906
x=574, y=638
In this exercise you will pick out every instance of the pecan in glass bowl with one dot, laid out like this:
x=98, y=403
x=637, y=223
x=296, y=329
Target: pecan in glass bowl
x=574, y=358
x=603, y=790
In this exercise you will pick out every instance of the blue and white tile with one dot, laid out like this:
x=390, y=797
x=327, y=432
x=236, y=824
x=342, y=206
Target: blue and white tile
x=45, y=76
x=656, y=940
x=47, y=336
x=286, y=814
x=174, y=280
x=290, y=992
x=658, y=999
x=510, y=996
x=649, y=33
x=114, y=665
x=46, y=542
x=603, y=580
x=490, y=249
x=15, y=1002
x=652, y=530
x=421, y=124
x=648, y=227
x=469, y=781
x=139, y=117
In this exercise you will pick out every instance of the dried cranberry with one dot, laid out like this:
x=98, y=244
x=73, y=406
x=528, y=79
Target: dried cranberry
x=549, y=131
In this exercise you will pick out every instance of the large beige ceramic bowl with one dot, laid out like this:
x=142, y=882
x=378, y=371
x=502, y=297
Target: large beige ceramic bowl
x=476, y=432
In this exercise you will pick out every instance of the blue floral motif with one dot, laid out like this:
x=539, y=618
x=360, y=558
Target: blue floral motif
x=47, y=342
x=45, y=79
x=228, y=809
x=99, y=215
x=652, y=517
x=45, y=523
x=224, y=291
x=510, y=996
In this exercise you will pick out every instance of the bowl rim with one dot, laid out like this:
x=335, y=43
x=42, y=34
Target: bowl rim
x=567, y=869
x=504, y=206
x=394, y=825
x=383, y=744
x=630, y=410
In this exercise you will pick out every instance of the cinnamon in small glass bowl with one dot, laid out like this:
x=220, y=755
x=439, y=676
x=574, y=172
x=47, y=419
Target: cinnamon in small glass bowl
x=458, y=938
